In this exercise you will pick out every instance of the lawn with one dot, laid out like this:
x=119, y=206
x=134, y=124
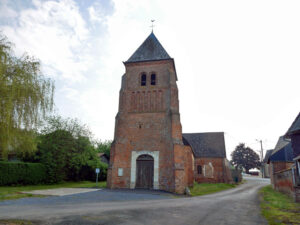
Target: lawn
x=278, y=208
x=207, y=188
x=14, y=192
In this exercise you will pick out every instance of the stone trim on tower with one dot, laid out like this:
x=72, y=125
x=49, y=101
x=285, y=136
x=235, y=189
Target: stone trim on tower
x=134, y=156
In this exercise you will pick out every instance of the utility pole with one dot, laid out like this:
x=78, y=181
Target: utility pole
x=262, y=157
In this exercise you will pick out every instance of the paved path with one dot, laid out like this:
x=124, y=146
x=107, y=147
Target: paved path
x=61, y=191
x=235, y=206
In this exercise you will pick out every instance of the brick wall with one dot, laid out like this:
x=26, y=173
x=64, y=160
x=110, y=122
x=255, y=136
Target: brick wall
x=148, y=121
x=276, y=167
x=213, y=170
x=190, y=166
x=283, y=182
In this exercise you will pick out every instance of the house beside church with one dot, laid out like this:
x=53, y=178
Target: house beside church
x=149, y=149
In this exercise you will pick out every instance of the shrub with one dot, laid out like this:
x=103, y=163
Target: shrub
x=55, y=149
x=236, y=175
x=13, y=173
x=69, y=158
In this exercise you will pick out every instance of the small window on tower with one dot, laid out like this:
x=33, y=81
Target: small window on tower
x=153, y=79
x=199, y=169
x=143, y=79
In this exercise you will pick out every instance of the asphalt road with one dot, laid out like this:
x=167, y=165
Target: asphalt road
x=235, y=206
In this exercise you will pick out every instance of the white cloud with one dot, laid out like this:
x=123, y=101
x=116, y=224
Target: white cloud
x=6, y=11
x=55, y=33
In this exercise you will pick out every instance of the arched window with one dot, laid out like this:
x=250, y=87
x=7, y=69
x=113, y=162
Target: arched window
x=153, y=79
x=199, y=169
x=143, y=79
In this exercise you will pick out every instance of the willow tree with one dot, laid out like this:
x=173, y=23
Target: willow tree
x=26, y=97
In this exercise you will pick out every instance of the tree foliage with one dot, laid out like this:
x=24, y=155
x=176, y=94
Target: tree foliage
x=73, y=126
x=26, y=96
x=104, y=147
x=245, y=157
x=67, y=152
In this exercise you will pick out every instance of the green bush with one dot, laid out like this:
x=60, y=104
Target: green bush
x=69, y=158
x=13, y=173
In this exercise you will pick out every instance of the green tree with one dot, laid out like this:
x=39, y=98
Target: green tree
x=67, y=151
x=104, y=147
x=56, y=122
x=26, y=97
x=54, y=148
x=245, y=157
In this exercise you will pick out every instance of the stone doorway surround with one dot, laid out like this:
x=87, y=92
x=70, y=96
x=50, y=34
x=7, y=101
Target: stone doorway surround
x=134, y=156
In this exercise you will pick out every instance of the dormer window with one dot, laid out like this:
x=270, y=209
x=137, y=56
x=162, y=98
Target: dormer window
x=143, y=79
x=153, y=79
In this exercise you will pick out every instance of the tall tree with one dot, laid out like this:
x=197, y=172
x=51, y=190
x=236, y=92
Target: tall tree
x=245, y=157
x=26, y=96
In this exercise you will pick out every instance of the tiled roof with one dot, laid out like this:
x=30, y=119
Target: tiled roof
x=282, y=142
x=282, y=152
x=210, y=145
x=285, y=154
x=295, y=127
x=150, y=50
x=267, y=156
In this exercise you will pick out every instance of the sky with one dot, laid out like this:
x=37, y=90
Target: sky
x=237, y=61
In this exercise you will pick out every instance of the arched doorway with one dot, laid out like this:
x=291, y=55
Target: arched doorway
x=144, y=171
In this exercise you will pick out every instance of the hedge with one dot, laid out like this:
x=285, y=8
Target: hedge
x=14, y=173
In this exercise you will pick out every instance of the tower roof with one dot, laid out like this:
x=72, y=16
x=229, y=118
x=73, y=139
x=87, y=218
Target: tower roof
x=150, y=50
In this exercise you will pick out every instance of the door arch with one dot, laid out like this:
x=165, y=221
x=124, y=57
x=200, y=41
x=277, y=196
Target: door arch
x=144, y=171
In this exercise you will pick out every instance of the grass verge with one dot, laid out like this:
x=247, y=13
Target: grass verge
x=14, y=192
x=279, y=208
x=207, y=188
x=15, y=222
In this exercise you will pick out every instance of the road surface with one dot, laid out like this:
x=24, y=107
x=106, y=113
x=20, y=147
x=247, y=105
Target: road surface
x=238, y=206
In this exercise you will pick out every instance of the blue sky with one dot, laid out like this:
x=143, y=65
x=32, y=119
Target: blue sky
x=237, y=61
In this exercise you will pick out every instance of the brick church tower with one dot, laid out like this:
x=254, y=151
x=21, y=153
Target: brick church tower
x=147, y=151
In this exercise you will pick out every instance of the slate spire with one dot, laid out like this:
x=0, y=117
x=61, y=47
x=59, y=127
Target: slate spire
x=150, y=50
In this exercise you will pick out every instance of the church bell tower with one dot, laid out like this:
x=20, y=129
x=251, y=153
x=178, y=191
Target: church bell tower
x=147, y=151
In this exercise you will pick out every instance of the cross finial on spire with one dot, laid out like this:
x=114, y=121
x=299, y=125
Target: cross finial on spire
x=152, y=25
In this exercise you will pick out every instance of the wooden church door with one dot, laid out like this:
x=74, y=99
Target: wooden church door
x=144, y=171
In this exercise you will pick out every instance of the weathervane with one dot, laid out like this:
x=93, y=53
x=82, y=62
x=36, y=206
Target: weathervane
x=152, y=25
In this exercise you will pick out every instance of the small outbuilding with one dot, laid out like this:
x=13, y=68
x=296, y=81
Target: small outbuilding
x=266, y=166
x=210, y=161
x=293, y=134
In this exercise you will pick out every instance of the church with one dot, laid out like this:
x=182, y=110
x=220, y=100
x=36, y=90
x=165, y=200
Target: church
x=149, y=150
